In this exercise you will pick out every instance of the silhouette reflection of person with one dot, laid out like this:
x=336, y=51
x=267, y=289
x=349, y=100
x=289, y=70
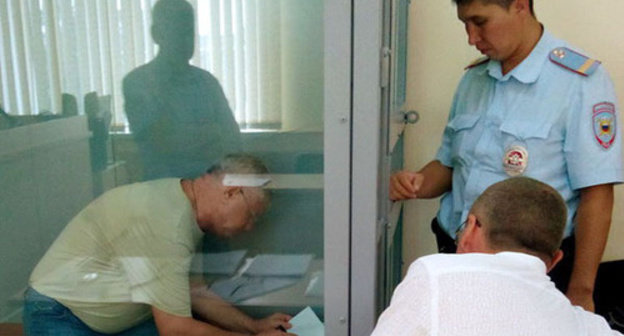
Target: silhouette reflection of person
x=178, y=113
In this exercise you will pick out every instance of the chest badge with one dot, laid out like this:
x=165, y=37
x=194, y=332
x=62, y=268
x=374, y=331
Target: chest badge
x=515, y=160
x=604, y=123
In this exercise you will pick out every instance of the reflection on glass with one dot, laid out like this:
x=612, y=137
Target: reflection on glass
x=111, y=271
x=178, y=114
x=95, y=95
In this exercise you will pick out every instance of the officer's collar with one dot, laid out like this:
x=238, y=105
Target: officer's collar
x=529, y=70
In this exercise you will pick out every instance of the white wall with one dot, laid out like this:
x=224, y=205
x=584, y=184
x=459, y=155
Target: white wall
x=438, y=53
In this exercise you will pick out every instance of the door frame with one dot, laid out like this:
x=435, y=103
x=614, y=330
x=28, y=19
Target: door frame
x=369, y=130
x=337, y=165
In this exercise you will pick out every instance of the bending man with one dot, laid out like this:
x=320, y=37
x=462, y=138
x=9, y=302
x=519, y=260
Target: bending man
x=121, y=266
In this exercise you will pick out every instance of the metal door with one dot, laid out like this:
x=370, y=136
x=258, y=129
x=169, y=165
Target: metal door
x=379, y=78
x=394, y=65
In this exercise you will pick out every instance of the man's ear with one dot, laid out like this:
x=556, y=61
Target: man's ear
x=555, y=259
x=231, y=191
x=521, y=5
x=471, y=236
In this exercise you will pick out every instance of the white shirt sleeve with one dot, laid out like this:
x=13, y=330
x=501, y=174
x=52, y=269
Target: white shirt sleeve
x=594, y=324
x=410, y=310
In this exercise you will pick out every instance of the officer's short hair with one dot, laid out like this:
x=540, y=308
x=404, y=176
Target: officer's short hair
x=524, y=214
x=503, y=3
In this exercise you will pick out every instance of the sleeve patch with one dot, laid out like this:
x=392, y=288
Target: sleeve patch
x=573, y=61
x=603, y=118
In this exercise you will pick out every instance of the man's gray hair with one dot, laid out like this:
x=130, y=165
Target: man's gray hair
x=522, y=213
x=241, y=163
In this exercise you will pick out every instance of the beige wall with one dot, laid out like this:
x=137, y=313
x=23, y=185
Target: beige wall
x=438, y=52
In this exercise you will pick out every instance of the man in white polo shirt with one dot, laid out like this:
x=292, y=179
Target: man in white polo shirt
x=497, y=283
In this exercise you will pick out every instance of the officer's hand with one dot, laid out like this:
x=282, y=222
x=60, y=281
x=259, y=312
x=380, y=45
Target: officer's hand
x=405, y=185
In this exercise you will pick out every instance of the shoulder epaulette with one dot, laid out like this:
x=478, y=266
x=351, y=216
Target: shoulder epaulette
x=573, y=61
x=476, y=62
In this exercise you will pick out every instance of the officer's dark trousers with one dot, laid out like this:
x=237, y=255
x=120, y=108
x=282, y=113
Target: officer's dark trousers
x=560, y=275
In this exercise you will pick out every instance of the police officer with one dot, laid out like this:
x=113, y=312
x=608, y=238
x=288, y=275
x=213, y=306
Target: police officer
x=533, y=106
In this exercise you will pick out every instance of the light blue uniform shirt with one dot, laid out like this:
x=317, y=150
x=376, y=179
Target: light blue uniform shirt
x=540, y=106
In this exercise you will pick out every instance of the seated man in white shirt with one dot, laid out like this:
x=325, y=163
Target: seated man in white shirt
x=497, y=283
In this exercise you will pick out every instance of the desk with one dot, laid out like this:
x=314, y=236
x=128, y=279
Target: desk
x=289, y=300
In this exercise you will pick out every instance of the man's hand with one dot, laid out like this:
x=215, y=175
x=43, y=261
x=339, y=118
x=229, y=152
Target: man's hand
x=271, y=323
x=405, y=185
x=275, y=333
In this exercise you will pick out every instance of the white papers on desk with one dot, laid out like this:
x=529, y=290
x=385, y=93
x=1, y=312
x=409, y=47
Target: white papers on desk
x=306, y=323
x=279, y=265
x=241, y=288
x=222, y=263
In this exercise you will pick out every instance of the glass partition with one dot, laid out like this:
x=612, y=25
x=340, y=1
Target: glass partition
x=97, y=95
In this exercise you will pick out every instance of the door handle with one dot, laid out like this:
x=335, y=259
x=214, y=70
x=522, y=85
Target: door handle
x=411, y=117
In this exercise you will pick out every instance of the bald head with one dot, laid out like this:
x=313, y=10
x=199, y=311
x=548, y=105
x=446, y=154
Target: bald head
x=524, y=214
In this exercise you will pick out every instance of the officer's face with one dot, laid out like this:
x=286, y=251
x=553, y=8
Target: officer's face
x=493, y=30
